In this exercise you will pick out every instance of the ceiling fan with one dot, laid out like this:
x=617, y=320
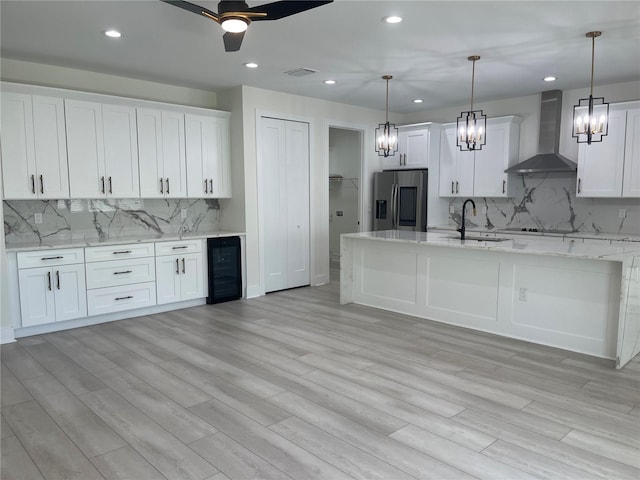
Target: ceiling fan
x=235, y=16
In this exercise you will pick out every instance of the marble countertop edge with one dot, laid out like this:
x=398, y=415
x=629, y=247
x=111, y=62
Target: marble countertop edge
x=532, y=245
x=47, y=244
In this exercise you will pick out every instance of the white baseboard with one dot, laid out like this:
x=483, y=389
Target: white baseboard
x=253, y=291
x=6, y=335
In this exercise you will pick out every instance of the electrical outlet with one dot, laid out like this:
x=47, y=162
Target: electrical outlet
x=622, y=213
x=483, y=210
x=452, y=209
x=37, y=218
x=523, y=295
x=183, y=213
x=339, y=213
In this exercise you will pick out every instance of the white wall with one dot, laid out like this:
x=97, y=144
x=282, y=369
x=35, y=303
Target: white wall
x=75, y=79
x=321, y=114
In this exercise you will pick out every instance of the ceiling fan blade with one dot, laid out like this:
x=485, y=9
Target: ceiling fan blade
x=277, y=10
x=191, y=7
x=232, y=41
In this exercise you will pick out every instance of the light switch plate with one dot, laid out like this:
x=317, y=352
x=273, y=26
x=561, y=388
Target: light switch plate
x=183, y=213
x=37, y=218
x=452, y=209
x=622, y=213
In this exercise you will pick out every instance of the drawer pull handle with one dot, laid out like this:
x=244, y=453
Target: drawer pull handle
x=457, y=189
x=58, y=279
x=167, y=186
x=178, y=248
x=206, y=186
x=124, y=298
x=504, y=185
x=211, y=186
x=102, y=182
x=122, y=251
x=110, y=186
x=161, y=186
x=183, y=270
x=177, y=266
x=33, y=184
x=49, y=280
x=41, y=184
x=52, y=258
x=120, y=273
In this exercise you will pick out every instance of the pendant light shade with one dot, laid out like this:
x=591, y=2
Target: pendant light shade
x=386, y=133
x=591, y=115
x=471, y=126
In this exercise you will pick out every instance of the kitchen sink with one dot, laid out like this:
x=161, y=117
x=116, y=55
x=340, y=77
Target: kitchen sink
x=480, y=239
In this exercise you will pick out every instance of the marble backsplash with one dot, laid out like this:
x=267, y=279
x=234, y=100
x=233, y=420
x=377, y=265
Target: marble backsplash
x=104, y=219
x=548, y=202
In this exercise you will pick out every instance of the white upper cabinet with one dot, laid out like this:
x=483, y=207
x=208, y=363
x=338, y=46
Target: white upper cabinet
x=34, y=148
x=161, y=148
x=102, y=149
x=417, y=145
x=611, y=168
x=208, y=156
x=479, y=173
x=631, y=182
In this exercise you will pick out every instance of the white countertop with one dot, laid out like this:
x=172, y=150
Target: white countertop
x=626, y=237
x=74, y=242
x=535, y=245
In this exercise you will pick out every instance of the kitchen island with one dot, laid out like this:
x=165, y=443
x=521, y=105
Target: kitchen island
x=553, y=291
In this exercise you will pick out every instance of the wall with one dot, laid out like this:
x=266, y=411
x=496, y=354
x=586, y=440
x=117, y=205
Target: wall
x=75, y=79
x=320, y=114
x=344, y=161
x=547, y=201
x=104, y=219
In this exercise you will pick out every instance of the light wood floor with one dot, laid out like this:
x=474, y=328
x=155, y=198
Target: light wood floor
x=294, y=386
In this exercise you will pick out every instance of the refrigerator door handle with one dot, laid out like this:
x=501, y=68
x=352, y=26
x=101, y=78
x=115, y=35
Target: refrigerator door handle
x=394, y=206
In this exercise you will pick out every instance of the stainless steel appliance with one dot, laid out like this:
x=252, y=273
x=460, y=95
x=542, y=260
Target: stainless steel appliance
x=400, y=200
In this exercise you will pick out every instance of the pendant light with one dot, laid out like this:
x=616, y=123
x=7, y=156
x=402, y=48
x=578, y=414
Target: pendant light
x=386, y=133
x=591, y=115
x=472, y=125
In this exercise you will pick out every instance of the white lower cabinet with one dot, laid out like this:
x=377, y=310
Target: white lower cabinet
x=180, y=276
x=124, y=283
x=51, y=292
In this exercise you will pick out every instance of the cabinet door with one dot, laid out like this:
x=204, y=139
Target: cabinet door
x=18, y=152
x=416, y=149
x=85, y=149
x=198, y=149
x=120, y=151
x=631, y=183
x=600, y=165
x=297, y=211
x=36, y=296
x=465, y=171
x=70, y=292
x=448, y=159
x=490, y=163
x=173, y=155
x=220, y=170
x=191, y=276
x=168, y=279
x=150, y=153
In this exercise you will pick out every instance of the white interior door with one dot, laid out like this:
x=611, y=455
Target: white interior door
x=285, y=203
x=274, y=203
x=297, y=211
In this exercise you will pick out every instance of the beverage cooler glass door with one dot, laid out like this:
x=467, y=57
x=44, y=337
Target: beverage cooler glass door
x=411, y=194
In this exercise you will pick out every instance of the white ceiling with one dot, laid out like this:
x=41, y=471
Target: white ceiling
x=519, y=42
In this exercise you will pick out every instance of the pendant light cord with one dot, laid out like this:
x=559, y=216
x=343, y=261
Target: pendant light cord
x=386, y=117
x=593, y=49
x=473, y=77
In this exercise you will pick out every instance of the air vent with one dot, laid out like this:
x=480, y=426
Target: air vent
x=301, y=72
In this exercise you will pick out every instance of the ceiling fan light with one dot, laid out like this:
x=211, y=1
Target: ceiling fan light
x=234, y=24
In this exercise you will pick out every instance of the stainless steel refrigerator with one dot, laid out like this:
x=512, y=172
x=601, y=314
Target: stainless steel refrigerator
x=400, y=200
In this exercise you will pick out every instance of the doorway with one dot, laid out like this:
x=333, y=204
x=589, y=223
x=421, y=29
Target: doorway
x=345, y=166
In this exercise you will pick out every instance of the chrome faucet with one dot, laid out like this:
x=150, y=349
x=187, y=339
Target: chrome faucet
x=463, y=228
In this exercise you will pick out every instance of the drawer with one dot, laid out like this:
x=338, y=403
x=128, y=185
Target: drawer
x=48, y=258
x=117, y=299
x=117, y=252
x=178, y=248
x=120, y=272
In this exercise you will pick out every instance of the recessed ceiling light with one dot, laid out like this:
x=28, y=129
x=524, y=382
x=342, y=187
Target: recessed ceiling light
x=418, y=100
x=330, y=82
x=251, y=65
x=113, y=33
x=392, y=19
x=550, y=78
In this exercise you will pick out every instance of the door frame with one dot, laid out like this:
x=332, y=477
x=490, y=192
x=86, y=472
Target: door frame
x=260, y=192
x=362, y=188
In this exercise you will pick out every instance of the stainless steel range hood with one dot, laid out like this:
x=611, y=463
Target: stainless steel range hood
x=548, y=159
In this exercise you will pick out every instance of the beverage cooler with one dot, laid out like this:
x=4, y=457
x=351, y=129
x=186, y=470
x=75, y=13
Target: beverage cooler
x=225, y=269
